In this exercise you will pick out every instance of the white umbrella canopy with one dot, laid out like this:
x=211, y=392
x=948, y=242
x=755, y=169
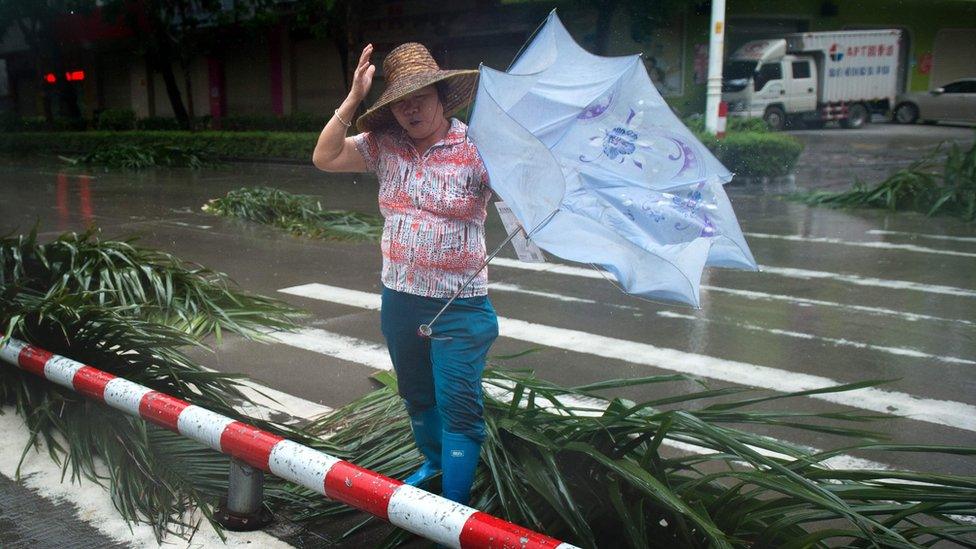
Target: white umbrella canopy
x=595, y=165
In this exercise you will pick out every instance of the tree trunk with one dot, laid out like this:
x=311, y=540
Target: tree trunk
x=165, y=69
x=188, y=81
x=162, y=60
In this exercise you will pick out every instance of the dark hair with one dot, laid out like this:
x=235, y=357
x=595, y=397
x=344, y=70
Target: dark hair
x=442, y=90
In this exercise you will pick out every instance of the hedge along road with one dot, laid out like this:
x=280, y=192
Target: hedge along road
x=826, y=307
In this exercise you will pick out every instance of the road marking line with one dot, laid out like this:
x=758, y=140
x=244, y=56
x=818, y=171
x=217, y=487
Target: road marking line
x=503, y=392
x=183, y=224
x=901, y=351
x=924, y=235
x=503, y=287
x=858, y=280
x=268, y=402
x=875, y=245
x=942, y=412
x=373, y=355
x=342, y=347
x=748, y=294
x=802, y=274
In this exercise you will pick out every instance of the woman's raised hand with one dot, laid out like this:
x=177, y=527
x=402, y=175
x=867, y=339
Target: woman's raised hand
x=362, y=79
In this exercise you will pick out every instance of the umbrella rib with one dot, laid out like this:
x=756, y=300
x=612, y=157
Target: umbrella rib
x=530, y=39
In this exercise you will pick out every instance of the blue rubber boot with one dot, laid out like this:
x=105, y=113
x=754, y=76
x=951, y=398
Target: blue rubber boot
x=460, y=460
x=427, y=435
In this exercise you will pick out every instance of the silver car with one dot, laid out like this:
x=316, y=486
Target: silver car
x=954, y=102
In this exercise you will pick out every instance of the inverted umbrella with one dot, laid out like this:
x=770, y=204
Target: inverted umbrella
x=598, y=169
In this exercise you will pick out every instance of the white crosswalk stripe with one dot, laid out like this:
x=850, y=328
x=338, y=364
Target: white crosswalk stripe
x=861, y=244
x=898, y=351
x=923, y=235
x=943, y=412
x=370, y=354
x=789, y=272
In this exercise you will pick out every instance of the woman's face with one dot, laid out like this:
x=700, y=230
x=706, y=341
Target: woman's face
x=421, y=113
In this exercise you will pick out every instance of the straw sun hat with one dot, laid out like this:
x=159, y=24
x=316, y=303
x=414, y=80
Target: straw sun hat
x=408, y=68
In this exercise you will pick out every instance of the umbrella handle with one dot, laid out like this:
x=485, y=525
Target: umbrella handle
x=426, y=330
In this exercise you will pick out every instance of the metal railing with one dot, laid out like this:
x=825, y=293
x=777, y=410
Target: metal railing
x=428, y=515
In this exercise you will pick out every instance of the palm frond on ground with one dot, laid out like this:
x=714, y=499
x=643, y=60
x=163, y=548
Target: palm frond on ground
x=148, y=284
x=619, y=474
x=300, y=215
x=920, y=187
x=131, y=312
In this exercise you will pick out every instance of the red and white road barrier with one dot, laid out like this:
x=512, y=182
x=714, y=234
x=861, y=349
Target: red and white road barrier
x=425, y=514
x=723, y=117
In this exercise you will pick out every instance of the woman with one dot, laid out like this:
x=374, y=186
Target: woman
x=433, y=194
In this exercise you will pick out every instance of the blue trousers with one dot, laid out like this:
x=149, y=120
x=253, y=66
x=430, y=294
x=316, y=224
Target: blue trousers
x=443, y=371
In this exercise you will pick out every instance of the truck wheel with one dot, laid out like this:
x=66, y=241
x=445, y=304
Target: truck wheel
x=857, y=116
x=906, y=113
x=775, y=118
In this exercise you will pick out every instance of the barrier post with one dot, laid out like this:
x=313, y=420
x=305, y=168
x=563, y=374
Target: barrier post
x=723, y=113
x=242, y=510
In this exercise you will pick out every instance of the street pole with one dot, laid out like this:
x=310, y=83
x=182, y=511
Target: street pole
x=716, y=46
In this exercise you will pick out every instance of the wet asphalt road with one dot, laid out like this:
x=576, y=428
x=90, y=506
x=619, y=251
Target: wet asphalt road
x=833, y=158
x=846, y=295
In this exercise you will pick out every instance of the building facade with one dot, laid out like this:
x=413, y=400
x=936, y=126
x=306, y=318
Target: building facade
x=284, y=69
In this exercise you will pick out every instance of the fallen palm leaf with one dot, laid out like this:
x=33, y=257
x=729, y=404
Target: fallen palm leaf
x=132, y=312
x=298, y=214
x=620, y=474
x=919, y=187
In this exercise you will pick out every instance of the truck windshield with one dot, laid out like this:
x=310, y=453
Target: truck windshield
x=736, y=74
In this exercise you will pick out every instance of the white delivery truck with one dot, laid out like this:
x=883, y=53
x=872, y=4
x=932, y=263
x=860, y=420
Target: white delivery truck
x=815, y=76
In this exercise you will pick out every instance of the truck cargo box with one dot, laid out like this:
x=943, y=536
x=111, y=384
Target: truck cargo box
x=856, y=65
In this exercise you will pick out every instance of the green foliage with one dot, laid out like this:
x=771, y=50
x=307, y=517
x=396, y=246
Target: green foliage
x=737, y=124
x=298, y=214
x=116, y=119
x=919, y=187
x=158, y=123
x=224, y=145
x=130, y=156
x=601, y=474
x=298, y=122
x=12, y=122
x=149, y=284
x=749, y=149
x=752, y=154
x=130, y=311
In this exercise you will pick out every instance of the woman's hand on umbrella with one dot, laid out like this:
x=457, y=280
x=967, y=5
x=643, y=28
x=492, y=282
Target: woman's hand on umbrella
x=362, y=79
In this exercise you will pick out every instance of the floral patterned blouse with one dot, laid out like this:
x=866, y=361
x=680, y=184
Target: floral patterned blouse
x=434, y=206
